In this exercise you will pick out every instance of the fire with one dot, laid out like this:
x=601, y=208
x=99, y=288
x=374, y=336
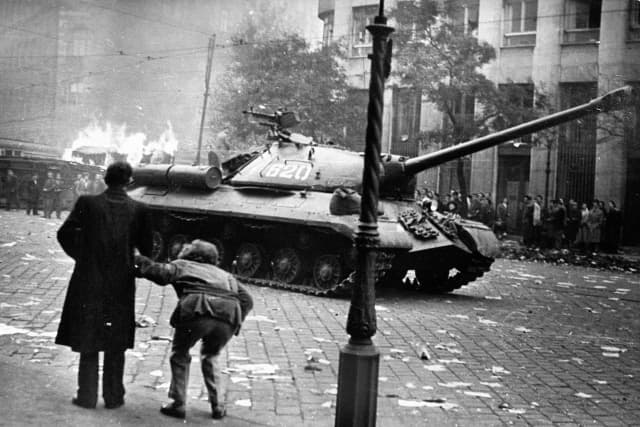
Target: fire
x=98, y=144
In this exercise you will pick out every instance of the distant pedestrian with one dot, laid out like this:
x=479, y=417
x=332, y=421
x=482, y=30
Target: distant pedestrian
x=538, y=217
x=594, y=223
x=502, y=216
x=582, y=240
x=33, y=194
x=48, y=194
x=11, y=190
x=212, y=306
x=613, y=227
x=100, y=234
x=573, y=223
x=527, y=221
x=57, y=194
x=556, y=224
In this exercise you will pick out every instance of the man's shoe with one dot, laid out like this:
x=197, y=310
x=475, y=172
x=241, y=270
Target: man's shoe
x=113, y=405
x=173, y=410
x=218, y=412
x=76, y=401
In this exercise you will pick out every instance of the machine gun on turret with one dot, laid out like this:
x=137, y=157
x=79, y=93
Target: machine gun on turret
x=279, y=124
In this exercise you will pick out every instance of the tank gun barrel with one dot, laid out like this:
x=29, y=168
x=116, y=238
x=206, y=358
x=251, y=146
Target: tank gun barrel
x=613, y=100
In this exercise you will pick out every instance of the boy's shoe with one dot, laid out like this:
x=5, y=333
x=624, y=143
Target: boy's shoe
x=218, y=412
x=174, y=410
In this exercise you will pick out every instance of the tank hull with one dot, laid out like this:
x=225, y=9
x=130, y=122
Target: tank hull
x=293, y=238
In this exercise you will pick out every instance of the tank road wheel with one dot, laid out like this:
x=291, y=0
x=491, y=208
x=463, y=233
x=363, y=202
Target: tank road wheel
x=327, y=271
x=248, y=260
x=286, y=265
x=175, y=245
x=157, y=245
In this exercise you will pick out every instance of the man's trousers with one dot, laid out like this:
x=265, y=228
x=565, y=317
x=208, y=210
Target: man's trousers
x=214, y=334
x=112, y=378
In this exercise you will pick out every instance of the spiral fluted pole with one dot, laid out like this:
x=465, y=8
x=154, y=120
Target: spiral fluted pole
x=356, y=402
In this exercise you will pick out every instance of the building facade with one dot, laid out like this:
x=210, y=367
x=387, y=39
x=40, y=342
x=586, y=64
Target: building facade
x=570, y=51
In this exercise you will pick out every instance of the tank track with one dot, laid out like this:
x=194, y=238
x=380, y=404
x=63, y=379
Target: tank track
x=473, y=271
x=341, y=290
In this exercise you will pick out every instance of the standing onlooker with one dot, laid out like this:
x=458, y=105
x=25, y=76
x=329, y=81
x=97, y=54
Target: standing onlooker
x=573, y=222
x=33, y=195
x=583, y=232
x=527, y=221
x=537, y=220
x=48, y=194
x=613, y=227
x=99, y=185
x=57, y=194
x=212, y=306
x=594, y=222
x=502, y=216
x=556, y=224
x=79, y=187
x=11, y=190
x=486, y=212
x=100, y=234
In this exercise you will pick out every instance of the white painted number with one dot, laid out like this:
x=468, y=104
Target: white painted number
x=297, y=171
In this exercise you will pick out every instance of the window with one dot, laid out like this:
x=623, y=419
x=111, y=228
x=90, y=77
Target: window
x=327, y=27
x=465, y=16
x=406, y=121
x=582, y=21
x=634, y=20
x=360, y=37
x=520, y=22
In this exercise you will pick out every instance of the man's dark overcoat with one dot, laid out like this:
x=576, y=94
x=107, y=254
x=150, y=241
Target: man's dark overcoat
x=100, y=235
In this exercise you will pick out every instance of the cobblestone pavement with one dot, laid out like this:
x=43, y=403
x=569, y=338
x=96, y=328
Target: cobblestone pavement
x=528, y=344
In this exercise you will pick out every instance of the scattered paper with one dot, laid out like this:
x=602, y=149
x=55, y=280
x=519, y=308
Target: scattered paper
x=326, y=404
x=332, y=391
x=477, y=394
x=583, y=395
x=246, y=403
x=458, y=316
x=381, y=308
x=425, y=404
x=8, y=244
x=499, y=370
x=492, y=385
x=259, y=318
x=487, y=321
x=450, y=361
x=493, y=297
x=523, y=329
x=156, y=373
x=455, y=384
x=257, y=368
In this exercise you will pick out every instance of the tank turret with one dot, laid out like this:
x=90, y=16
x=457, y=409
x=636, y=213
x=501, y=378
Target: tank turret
x=286, y=216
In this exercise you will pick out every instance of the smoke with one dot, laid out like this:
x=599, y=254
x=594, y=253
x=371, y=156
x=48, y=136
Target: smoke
x=102, y=144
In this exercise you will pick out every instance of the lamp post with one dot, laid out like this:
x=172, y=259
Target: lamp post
x=356, y=402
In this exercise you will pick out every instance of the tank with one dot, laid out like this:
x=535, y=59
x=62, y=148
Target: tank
x=285, y=216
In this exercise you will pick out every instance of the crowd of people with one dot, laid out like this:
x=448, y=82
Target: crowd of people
x=590, y=227
x=48, y=194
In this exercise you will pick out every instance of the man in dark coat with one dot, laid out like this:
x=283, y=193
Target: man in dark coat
x=212, y=306
x=11, y=189
x=33, y=195
x=100, y=234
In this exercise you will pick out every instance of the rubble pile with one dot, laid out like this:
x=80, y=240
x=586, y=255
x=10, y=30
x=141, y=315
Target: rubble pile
x=511, y=249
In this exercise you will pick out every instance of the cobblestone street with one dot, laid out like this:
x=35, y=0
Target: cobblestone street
x=528, y=344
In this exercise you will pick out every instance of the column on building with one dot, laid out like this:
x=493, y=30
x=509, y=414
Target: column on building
x=611, y=160
x=546, y=73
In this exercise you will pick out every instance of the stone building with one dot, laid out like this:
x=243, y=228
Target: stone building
x=570, y=50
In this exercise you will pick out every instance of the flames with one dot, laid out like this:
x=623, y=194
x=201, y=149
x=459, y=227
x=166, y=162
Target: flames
x=102, y=144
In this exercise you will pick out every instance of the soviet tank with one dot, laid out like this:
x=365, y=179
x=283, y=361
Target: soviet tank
x=285, y=216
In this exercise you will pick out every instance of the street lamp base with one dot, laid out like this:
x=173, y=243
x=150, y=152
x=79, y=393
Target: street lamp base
x=356, y=403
